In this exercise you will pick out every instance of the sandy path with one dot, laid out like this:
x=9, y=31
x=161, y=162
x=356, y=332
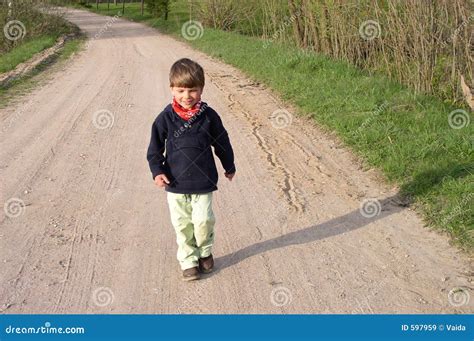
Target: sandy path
x=94, y=236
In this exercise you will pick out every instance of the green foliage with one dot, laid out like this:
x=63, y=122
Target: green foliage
x=25, y=22
x=22, y=53
x=158, y=8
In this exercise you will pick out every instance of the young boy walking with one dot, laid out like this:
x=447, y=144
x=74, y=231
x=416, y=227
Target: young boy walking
x=181, y=160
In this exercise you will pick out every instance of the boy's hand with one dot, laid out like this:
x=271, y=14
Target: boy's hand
x=161, y=180
x=229, y=176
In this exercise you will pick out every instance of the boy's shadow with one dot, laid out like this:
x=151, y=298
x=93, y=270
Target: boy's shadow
x=345, y=223
x=420, y=184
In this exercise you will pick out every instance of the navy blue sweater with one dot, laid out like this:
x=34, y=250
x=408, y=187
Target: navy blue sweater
x=182, y=151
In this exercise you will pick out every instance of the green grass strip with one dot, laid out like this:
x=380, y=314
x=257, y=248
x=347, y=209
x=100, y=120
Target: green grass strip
x=25, y=51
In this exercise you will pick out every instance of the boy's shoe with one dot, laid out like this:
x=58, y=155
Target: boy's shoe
x=206, y=264
x=191, y=274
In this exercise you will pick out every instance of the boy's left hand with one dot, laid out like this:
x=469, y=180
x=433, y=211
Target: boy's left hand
x=229, y=176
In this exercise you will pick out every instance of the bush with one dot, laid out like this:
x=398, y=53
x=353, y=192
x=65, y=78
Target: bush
x=158, y=8
x=24, y=21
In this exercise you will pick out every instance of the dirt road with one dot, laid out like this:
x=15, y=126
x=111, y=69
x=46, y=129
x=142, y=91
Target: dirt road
x=91, y=232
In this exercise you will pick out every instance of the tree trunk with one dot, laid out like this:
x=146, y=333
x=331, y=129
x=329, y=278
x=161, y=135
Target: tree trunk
x=167, y=9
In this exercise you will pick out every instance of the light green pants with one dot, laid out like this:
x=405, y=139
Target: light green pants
x=193, y=222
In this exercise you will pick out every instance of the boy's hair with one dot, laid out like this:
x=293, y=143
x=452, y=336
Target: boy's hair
x=186, y=73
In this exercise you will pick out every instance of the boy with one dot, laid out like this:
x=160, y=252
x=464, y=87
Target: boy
x=186, y=130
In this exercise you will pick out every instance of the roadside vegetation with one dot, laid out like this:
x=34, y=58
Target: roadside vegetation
x=30, y=27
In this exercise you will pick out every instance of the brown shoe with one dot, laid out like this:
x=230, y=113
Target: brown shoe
x=191, y=274
x=206, y=264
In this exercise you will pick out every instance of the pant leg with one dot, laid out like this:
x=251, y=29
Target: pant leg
x=204, y=221
x=181, y=218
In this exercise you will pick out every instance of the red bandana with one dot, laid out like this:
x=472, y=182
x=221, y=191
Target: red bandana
x=184, y=113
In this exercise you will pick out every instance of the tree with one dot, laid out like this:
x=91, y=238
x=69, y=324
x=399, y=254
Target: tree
x=157, y=8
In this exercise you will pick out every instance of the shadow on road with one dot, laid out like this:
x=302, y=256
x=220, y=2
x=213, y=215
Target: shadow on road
x=99, y=27
x=345, y=223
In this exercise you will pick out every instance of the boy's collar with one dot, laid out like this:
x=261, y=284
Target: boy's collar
x=186, y=113
x=175, y=116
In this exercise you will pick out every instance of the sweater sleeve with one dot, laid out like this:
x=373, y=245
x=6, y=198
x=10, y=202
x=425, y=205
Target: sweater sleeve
x=221, y=144
x=156, y=149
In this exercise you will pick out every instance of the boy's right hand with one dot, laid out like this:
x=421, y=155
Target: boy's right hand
x=161, y=180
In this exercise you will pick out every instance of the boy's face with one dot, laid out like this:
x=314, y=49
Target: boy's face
x=186, y=97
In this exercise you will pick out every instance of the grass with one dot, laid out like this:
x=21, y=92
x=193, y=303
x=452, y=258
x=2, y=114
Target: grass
x=42, y=32
x=26, y=83
x=25, y=51
x=406, y=135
